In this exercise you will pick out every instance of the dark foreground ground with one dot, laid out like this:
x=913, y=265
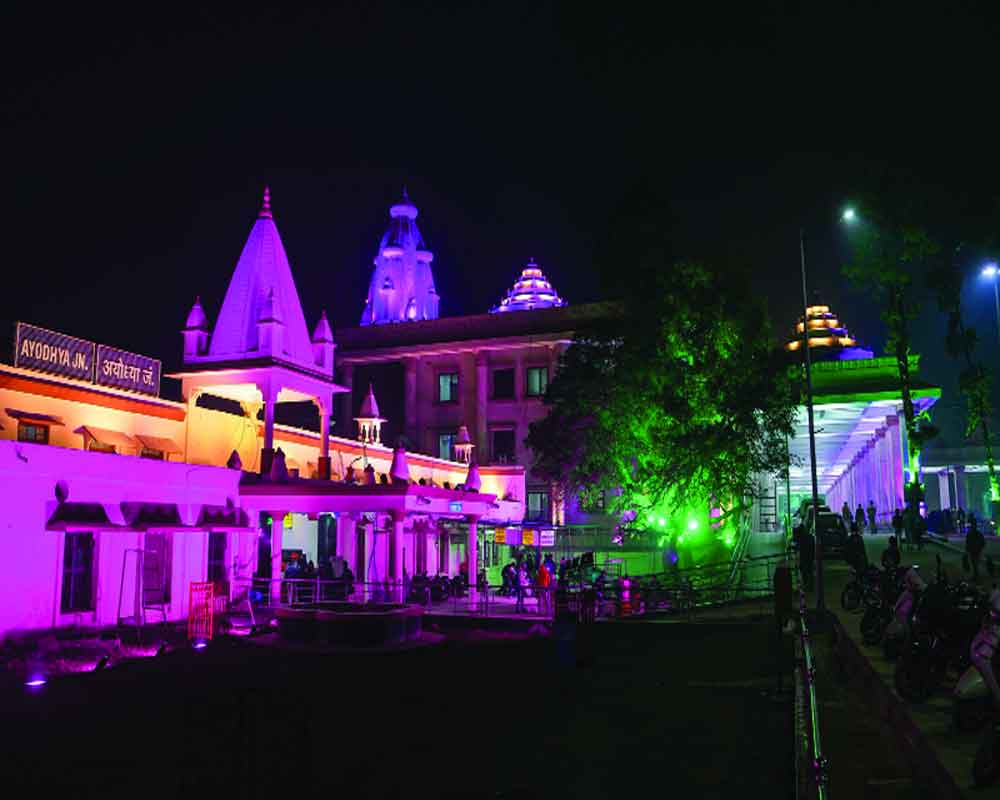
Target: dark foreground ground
x=662, y=710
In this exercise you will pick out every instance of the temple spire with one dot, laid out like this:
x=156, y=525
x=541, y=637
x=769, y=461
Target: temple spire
x=265, y=209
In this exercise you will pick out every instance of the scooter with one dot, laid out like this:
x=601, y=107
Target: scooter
x=898, y=629
x=879, y=600
x=986, y=767
x=944, y=623
x=861, y=583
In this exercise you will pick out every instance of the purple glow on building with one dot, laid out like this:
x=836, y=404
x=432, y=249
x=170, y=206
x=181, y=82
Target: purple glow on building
x=531, y=290
x=35, y=683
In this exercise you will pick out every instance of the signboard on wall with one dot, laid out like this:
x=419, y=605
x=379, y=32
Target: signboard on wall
x=125, y=370
x=56, y=353
x=527, y=537
x=547, y=538
x=455, y=505
x=500, y=536
x=59, y=354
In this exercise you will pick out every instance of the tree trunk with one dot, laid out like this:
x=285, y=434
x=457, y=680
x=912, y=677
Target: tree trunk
x=901, y=337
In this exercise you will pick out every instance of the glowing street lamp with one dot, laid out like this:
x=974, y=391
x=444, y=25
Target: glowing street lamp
x=990, y=271
x=849, y=215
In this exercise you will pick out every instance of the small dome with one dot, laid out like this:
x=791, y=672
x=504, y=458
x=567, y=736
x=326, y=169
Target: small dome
x=323, y=333
x=463, y=436
x=369, y=408
x=472, y=481
x=196, y=319
x=404, y=208
x=532, y=290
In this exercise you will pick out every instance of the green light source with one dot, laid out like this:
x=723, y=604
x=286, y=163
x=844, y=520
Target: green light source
x=849, y=215
x=661, y=522
x=692, y=524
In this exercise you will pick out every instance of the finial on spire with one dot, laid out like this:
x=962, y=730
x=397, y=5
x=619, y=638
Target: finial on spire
x=265, y=210
x=406, y=195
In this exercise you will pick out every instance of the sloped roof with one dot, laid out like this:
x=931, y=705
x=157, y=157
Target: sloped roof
x=262, y=268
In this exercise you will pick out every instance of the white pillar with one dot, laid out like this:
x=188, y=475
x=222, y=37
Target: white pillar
x=347, y=538
x=896, y=454
x=269, y=424
x=324, y=429
x=471, y=556
x=944, y=489
x=277, y=531
x=395, y=570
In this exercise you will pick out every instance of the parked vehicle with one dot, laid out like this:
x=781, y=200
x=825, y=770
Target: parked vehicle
x=986, y=767
x=944, y=622
x=832, y=532
x=860, y=584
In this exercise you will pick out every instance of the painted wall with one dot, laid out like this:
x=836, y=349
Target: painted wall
x=31, y=557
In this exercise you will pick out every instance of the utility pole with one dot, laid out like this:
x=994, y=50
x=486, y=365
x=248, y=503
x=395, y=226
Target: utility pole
x=814, y=513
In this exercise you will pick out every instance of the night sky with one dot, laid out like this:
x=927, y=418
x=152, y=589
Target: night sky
x=135, y=148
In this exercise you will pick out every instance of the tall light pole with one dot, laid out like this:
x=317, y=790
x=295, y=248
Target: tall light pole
x=814, y=513
x=990, y=271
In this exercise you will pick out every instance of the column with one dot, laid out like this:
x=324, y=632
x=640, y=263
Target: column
x=431, y=558
x=519, y=377
x=347, y=537
x=270, y=396
x=345, y=417
x=277, y=530
x=395, y=570
x=959, y=472
x=411, y=425
x=896, y=456
x=944, y=490
x=471, y=556
x=553, y=361
x=482, y=406
x=323, y=463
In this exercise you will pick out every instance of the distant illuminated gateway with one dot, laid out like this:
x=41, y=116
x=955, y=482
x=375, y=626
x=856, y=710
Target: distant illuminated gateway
x=828, y=338
x=532, y=290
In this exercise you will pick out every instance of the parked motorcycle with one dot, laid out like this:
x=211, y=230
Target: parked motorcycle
x=879, y=601
x=852, y=596
x=945, y=621
x=898, y=629
x=986, y=767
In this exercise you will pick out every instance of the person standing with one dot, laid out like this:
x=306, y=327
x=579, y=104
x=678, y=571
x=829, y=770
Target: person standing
x=871, y=517
x=891, y=556
x=897, y=524
x=542, y=584
x=845, y=512
x=974, y=544
x=859, y=518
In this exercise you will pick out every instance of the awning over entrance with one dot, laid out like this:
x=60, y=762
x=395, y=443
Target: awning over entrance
x=31, y=416
x=160, y=443
x=107, y=438
x=141, y=516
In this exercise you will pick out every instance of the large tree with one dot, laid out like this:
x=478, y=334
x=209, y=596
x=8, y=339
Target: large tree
x=677, y=403
x=892, y=254
x=975, y=381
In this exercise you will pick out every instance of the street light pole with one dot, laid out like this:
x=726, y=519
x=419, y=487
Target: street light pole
x=991, y=271
x=820, y=604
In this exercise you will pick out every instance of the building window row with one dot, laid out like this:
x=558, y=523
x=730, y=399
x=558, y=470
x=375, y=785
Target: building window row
x=535, y=385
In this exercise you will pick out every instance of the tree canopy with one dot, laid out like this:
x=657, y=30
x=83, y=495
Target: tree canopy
x=678, y=403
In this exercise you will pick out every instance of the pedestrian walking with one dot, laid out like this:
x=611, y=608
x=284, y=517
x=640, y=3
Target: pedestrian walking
x=871, y=517
x=859, y=517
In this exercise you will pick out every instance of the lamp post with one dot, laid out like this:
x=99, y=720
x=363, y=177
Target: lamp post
x=990, y=271
x=814, y=511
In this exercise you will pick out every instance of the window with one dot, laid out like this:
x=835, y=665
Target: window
x=503, y=446
x=503, y=384
x=538, y=506
x=217, y=556
x=149, y=452
x=78, y=573
x=538, y=381
x=446, y=443
x=100, y=447
x=26, y=432
x=156, y=568
x=448, y=387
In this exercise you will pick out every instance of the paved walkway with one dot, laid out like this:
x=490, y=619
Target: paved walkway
x=934, y=717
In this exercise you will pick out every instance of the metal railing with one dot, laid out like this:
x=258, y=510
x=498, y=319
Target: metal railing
x=679, y=591
x=811, y=766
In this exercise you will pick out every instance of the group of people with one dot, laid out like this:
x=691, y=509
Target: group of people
x=860, y=518
x=522, y=576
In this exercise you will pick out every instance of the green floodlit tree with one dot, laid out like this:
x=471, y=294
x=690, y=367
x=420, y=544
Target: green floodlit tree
x=975, y=380
x=892, y=255
x=677, y=404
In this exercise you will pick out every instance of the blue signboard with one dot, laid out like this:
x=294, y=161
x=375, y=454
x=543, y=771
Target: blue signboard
x=455, y=505
x=48, y=351
x=125, y=370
